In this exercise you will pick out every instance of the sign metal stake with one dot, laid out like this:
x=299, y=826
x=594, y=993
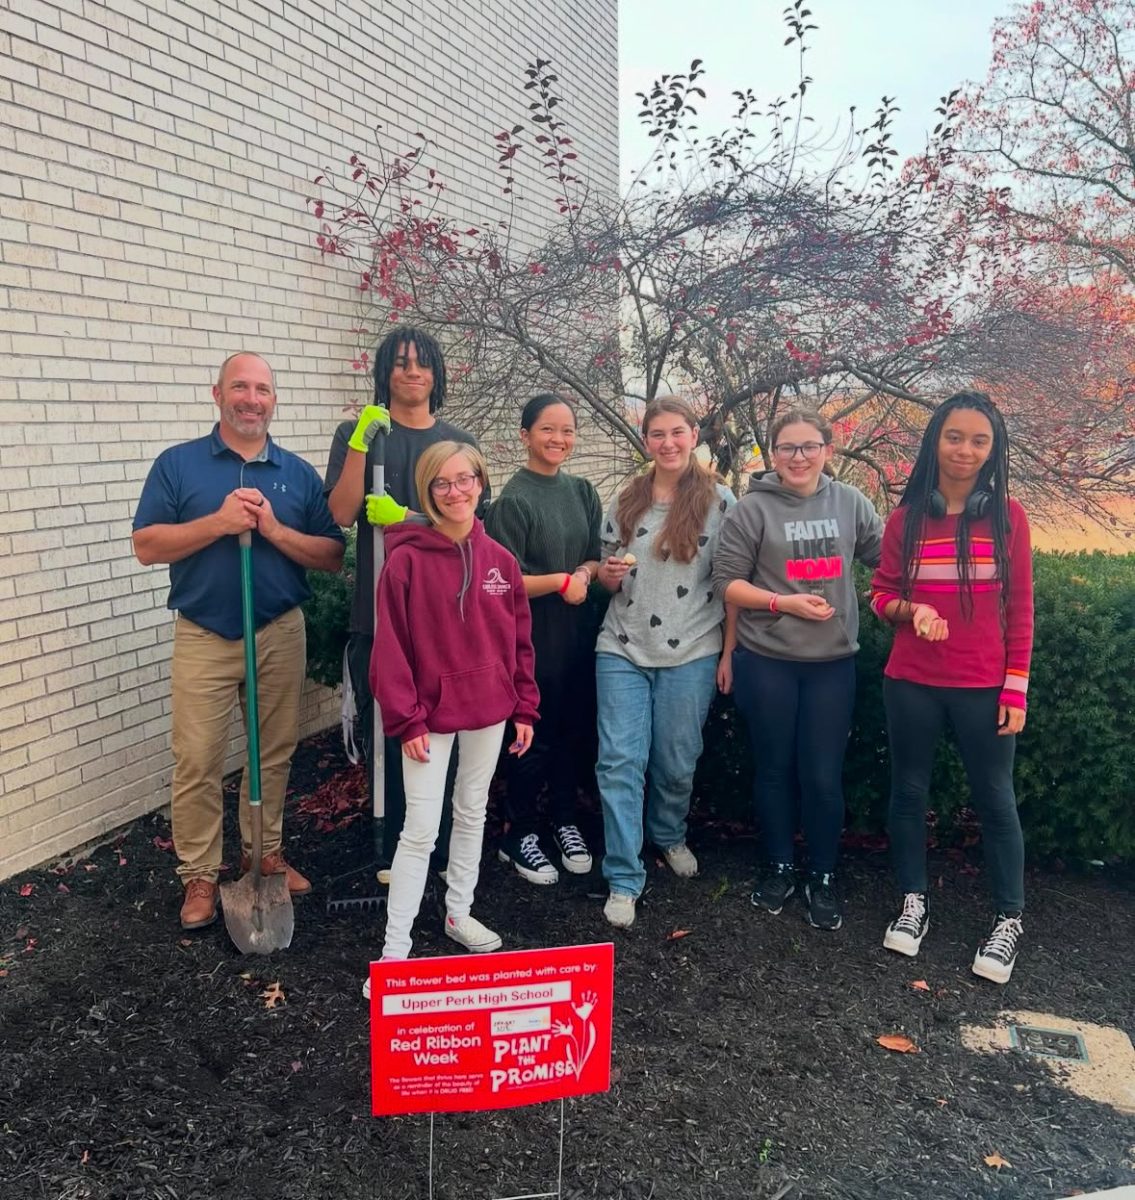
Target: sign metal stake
x=556, y=1195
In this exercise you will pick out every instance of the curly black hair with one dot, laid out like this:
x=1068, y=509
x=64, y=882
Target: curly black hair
x=429, y=355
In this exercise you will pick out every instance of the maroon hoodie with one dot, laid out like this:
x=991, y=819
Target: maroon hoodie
x=453, y=645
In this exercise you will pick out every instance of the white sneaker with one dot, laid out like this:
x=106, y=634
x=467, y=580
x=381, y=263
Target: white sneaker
x=619, y=910
x=680, y=859
x=905, y=933
x=528, y=859
x=997, y=954
x=471, y=934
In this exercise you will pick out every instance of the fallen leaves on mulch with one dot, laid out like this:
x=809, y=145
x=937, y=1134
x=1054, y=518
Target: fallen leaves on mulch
x=920, y=985
x=897, y=1042
x=678, y=933
x=337, y=802
x=273, y=995
x=996, y=1161
x=27, y=889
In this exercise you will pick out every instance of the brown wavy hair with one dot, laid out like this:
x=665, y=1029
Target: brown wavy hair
x=694, y=496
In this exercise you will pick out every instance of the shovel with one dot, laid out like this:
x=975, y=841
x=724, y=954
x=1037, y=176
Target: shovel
x=258, y=908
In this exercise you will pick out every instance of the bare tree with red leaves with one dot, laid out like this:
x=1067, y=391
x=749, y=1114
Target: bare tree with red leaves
x=750, y=270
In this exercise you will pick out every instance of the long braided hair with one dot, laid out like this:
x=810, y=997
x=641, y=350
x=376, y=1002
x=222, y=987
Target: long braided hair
x=992, y=479
x=429, y=355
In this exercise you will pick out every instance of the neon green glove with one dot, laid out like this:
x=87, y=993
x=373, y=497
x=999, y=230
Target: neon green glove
x=385, y=510
x=371, y=420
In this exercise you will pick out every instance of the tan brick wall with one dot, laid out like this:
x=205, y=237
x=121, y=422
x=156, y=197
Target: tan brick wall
x=155, y=157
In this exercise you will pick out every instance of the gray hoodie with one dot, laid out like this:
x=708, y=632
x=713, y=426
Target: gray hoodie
x=784, y=542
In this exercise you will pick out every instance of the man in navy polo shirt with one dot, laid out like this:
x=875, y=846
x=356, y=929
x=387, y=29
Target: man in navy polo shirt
x=198, y=497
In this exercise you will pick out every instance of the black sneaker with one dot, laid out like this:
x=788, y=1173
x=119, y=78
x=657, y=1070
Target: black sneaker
x=572, y=849
x=905, y=933
x=825, y=909
x=530, y=861
x=775, y=885
x=997, y=954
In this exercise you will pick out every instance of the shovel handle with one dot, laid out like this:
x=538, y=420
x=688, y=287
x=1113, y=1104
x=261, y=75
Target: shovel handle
x=251, y=703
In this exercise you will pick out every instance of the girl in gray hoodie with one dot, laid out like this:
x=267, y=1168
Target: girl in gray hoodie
x=783, y=563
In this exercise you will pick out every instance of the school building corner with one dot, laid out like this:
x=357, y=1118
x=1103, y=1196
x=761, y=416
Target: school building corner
x=156, y=160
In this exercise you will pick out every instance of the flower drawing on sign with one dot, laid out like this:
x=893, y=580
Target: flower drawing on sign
x=581, y=1044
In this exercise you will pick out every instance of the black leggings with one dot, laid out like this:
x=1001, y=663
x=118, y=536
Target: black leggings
x=799, y=717
x=916, y=716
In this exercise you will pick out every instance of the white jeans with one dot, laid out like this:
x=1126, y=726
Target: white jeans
x=425, y=791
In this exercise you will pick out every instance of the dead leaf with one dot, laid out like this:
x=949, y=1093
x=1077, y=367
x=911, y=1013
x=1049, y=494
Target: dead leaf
x=27, y=889
x=296, y=1065
x=66, y=891
x=896, y=1041
x=121, y=860
x=90, y=866
x=163, y=843
x=995, y=1160
x=941, y=1103
x=678, y=933
x=30, y=945
x=185, y=941
x=86, y=1157
x=920, y=985
x=273, y=995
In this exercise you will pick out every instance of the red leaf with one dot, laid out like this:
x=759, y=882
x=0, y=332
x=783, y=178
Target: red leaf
x=920, y=985
x=897, y=1042
x=163, y=843
x=678, y=933
x=27, y=889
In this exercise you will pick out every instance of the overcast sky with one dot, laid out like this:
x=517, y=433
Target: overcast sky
x=917, y=50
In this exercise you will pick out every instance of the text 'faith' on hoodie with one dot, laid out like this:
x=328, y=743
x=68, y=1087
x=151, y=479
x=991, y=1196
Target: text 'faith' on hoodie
x=783, y=542
x=453, y=644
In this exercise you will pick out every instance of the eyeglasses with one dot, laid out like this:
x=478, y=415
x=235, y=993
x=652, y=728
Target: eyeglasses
x=463, y=483
x=807, y=450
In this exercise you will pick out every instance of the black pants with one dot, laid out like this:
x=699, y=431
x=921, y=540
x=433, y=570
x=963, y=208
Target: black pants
x=916, y=717
x=563, y=751
x=799, y=717
x=358, y=663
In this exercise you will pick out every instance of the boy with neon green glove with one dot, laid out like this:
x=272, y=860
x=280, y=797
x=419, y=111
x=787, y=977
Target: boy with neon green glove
x=380, y=510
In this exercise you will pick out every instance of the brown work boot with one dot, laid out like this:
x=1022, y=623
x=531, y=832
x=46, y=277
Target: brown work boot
x=274, y=864
x=200, y=905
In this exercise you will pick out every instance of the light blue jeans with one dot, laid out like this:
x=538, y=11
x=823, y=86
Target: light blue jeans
x=650, y=719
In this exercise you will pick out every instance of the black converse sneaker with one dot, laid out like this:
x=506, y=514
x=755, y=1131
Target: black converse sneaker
x=573, y=850
x=776, y=883
x=825, y=909
x=530, y=861
x=905, y=933
x=997, y=954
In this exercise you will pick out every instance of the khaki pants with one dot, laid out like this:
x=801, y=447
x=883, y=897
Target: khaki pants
x=207, y=681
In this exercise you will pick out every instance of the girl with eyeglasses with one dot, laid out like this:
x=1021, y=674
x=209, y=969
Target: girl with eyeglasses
x=550, y=521
x=784, y=568
x=452, y=663
x=955, y=581
x=657, y=652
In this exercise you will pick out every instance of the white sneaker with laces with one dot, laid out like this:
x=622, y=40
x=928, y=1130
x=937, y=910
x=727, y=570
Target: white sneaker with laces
x=905, y=933
x=680, y=859
x=528, y=860
x=997, y=954
x=470, y=933
x=619, y=910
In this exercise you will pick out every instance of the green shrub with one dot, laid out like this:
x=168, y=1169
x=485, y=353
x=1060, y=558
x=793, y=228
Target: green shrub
x=328, y=615
x=1075, y=784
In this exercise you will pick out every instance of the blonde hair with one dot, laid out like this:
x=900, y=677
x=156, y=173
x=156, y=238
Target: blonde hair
x=432, y=460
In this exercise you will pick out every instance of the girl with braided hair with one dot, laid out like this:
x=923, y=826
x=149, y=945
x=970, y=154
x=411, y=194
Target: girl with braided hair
x=955, y=580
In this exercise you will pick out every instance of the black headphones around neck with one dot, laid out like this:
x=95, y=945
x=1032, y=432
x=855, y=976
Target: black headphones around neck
x=977, y=504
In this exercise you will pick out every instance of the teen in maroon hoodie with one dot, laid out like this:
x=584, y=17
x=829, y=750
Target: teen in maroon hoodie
x=452, y=660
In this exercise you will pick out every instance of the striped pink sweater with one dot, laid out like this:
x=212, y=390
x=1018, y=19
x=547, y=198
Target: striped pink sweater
x=980, y=651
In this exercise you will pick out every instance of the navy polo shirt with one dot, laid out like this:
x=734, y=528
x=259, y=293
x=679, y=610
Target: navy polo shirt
x=192, y=480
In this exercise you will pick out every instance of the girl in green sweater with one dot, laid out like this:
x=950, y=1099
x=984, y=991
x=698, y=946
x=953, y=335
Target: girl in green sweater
x=550, y=521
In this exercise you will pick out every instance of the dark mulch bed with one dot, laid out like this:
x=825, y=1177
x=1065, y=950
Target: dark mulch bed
x=136, y=1061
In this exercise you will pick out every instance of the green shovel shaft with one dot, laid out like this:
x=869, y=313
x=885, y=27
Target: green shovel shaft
x=251, y=704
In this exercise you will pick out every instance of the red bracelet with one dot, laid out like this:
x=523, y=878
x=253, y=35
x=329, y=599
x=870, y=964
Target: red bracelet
x=773, y=602
x=565, y=585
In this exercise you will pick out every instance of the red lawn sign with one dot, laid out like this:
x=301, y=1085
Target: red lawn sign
x=485, y=1031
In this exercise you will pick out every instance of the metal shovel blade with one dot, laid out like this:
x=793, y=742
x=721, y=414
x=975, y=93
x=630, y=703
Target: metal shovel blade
x=258, y=913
